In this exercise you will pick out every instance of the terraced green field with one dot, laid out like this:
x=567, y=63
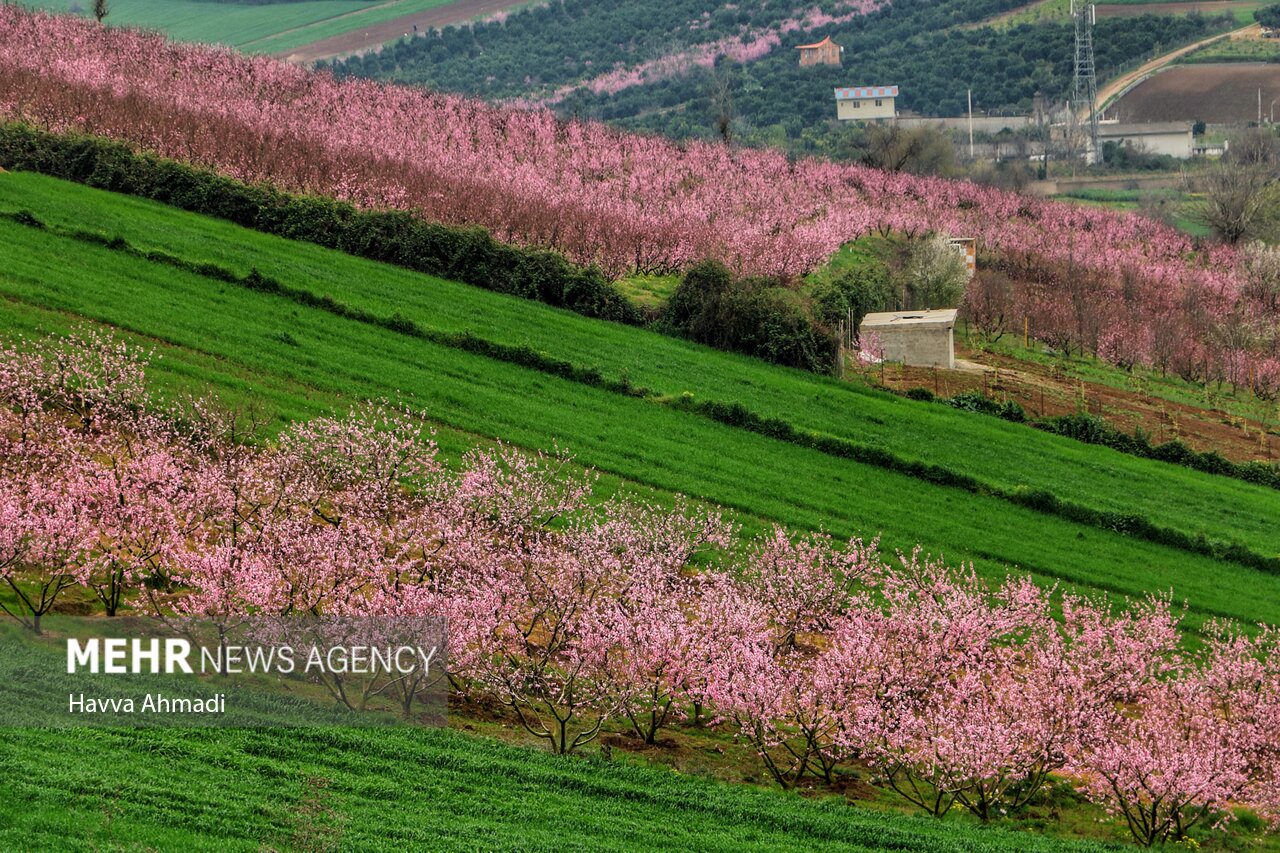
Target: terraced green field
x=267, y=28
x=299, y=360
x=997, y=452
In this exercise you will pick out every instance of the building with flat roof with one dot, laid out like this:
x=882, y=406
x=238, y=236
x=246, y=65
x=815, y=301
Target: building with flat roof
x=866, y=103
x=1163, y=137
x=915, y=338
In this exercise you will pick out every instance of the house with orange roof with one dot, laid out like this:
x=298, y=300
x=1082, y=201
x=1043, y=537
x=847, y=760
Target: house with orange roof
x=825, y=52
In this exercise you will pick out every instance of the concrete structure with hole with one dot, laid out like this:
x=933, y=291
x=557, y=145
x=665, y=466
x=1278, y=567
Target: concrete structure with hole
x=914, y=338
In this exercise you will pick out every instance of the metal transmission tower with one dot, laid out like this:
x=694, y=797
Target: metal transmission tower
x=1084, y=93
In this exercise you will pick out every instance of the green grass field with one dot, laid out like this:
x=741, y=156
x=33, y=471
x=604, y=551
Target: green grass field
x=279, y=787
x=299, y=361
x=423, y=789
x=408, y=790
x=1051, y=11
x=268, y=28
x=1131, y=201
x=1238, y=50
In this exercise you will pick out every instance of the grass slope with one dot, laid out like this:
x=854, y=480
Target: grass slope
x=993, y=451
x=401, y=788
x=398, y=789
x=267, y=28
x=300, y=360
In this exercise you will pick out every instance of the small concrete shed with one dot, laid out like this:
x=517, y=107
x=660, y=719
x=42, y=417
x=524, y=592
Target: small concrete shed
x=915, y=338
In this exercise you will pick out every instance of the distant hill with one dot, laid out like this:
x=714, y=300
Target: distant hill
x=653, y=67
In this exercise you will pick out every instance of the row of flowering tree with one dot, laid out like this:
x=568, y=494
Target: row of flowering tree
x=575, y=610
x=1130, y=289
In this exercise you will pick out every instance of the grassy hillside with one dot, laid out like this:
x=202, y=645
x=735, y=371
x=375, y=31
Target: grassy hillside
x=233, y=790
x=299, y=360
x=994, y=451
x=1041, y=11
x=266, y=28
x=395, y=788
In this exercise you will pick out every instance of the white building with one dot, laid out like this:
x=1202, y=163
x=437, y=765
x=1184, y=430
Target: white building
x=915, y=338
x=1167, y=137
x=866, y=103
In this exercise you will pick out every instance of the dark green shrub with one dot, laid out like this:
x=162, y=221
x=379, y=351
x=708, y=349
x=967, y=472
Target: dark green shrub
x=1094, y=430
x=859, y=290
x=755, y=316
x=973, y=401
x=397, y=322
x=703, y=283
x=26, y=217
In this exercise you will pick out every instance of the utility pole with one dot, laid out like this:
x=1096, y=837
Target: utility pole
x=1084, y=93
x=971, y=124
x=1259, y=105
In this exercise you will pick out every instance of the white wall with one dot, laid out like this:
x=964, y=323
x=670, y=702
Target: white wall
x=1176, y=144
x=866, y=109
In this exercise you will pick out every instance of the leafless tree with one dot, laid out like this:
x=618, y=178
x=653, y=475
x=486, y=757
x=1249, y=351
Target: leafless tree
x=101, y=8
x=1238, y=201
x=1255, y=147
x=920, y=150
x=1240, y=197
x=722, y=106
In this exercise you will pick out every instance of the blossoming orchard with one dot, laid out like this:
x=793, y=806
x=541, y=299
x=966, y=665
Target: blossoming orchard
x=574, y=610
x=746, y=47
x=1120, y=285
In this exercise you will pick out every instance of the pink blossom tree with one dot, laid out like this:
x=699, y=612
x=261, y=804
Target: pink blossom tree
x=45, y=531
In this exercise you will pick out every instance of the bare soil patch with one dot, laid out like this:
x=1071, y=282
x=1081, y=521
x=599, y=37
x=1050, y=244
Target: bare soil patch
x=1045, y=391
x=1218, y=93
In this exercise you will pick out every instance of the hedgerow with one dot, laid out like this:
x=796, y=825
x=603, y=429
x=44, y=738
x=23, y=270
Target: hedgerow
x=397, y=237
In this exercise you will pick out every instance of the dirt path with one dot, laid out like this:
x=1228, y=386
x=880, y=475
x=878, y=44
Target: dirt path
x=1124, y=82
x=375, y=34
x=1046, y=390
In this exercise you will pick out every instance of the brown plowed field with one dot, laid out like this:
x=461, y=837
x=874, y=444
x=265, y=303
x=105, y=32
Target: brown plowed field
x=1219, y=93
x=376, y=34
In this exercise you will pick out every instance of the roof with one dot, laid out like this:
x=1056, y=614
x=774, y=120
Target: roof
x=1147, y=129
x=858, y=92
x=824, y=42
x=941, y=318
